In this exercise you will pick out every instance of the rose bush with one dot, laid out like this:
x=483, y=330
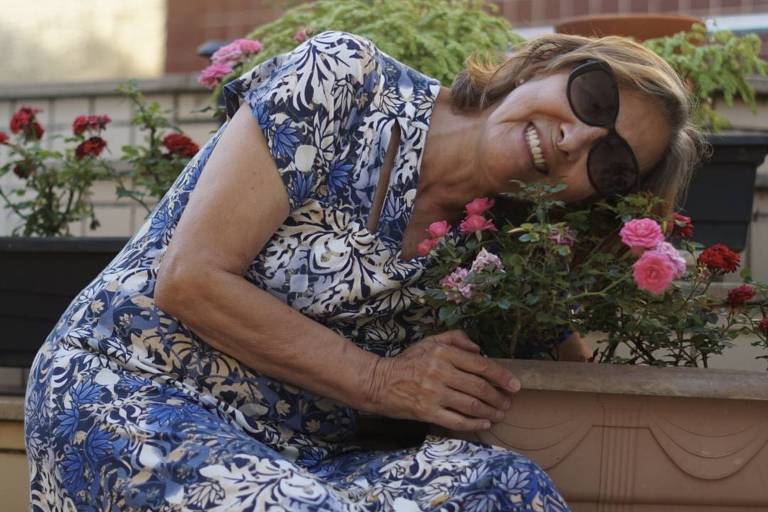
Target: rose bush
x=608, y=268
x=54, y=187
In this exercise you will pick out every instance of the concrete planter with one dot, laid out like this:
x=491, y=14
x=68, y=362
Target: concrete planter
x=632, y=439
x=41, y=276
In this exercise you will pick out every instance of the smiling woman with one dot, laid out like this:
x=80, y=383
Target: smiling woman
x=218, y=363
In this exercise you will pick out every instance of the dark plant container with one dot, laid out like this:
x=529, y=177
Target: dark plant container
x=39, y=277
x=720, y=197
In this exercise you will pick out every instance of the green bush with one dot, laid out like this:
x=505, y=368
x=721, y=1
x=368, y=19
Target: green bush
x=434, y=37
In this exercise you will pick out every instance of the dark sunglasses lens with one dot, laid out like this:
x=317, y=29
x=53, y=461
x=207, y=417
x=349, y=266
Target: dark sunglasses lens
x=612, y=167
x=594, y=97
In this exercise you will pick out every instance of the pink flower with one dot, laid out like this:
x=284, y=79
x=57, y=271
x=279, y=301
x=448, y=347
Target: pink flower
x=641, y=233
x=654, y=272
x=212, y=75
x=486, y=260
x=564, y=236
x=478, y=206
x=476, y=224
x=439, y=229
x=236, y=51
x=426, y=246
x=300, y=36
x=674, y=256
x=455, y=286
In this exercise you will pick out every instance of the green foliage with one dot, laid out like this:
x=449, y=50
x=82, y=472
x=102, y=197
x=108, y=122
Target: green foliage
x=434, y=37
x=711, y=63
x=151, y=168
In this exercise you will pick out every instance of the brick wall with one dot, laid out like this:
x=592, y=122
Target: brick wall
x=193, y=22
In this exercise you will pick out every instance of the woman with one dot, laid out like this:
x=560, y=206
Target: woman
x=217, y=363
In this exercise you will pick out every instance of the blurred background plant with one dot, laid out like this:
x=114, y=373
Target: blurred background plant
x=55, y=186
x=713, y=63
x=150, y=169
x=434, y=37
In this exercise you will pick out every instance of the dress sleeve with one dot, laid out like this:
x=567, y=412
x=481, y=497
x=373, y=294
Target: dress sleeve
x=304, y=101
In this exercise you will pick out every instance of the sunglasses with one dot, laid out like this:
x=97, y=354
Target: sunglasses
x=594, y=98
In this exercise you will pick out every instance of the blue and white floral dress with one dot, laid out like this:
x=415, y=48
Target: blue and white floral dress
x=128, y=409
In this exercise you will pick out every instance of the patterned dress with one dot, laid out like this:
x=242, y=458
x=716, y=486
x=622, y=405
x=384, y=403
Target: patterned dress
x=128, y=409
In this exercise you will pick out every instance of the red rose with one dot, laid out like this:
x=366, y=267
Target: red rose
x=682, y=226
x=740, y=295
x=83, y=123
x=23, y=169
x=91, y=147
x=719, y=258
x=24, y=120
x=3, y=137
x=763, y=325
x=181, y=145
x=79, y=125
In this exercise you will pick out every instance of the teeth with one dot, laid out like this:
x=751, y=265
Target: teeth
x=535, y=144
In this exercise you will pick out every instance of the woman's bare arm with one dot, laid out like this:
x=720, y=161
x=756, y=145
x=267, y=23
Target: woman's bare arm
x=237, y=205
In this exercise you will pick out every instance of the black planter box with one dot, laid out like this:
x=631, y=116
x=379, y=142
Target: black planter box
x=39, y=277
x=720, y=197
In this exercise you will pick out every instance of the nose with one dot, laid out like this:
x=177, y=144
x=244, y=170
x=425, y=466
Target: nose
x=575, y=139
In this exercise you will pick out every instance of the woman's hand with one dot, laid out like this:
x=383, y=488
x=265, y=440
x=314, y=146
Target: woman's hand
x=443, y=379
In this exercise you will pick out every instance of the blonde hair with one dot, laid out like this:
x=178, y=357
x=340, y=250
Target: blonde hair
x=483, y=83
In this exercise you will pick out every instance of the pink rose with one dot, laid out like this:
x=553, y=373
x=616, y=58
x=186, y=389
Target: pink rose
x=654, y=272
x=478, y=206
x=234, y=52
x=641, y=233
x=426, y=246
x=476, y=224
x=300, y=36
x=439, y=229
x=212, y=75
x=674, y=256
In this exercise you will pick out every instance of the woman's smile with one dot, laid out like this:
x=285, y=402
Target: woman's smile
x=532, y=141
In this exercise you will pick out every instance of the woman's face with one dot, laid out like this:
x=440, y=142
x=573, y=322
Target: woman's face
x=541, y=104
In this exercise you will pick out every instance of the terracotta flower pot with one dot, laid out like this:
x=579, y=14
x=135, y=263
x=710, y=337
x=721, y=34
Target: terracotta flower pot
x=638, y=26
x=641, y=438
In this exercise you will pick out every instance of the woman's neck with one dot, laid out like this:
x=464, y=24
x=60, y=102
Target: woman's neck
x=450, y=174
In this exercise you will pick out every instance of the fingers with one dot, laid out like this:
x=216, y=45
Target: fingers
x=486, y=368
x=455, y=421
x=459, y=339
x=480, y=389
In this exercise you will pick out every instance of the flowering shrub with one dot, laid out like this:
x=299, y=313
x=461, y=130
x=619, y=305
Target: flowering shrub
x=608, y=268
x=55, y=185
x=152, y=167
x=226, y=59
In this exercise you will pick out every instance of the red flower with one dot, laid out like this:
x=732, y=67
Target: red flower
x=719, y=258
x=23, y=118
x=740, y=295
x=83, y=123
x=763, y=325
x=24, y=121
x=682, y=226
x=476, y=223
x=91, y=147
x=23, y=169
x=3, y=137
x=181, y=145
